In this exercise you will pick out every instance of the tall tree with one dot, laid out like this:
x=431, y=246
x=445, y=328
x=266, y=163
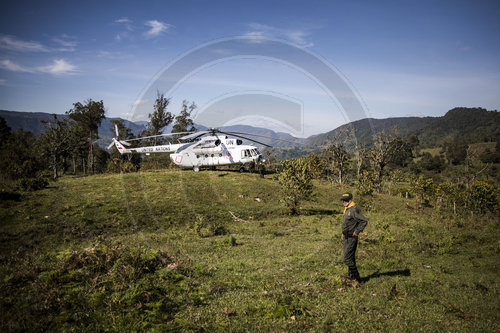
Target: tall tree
x=4, y=131
x=385, y=149
x=183, y=121
x=54, y=144
x=89, y=116
x=337, y=155
x=160, y=118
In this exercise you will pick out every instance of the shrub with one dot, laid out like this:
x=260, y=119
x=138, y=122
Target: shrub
x=33, y=184
x=482, y=196
x=295, y=179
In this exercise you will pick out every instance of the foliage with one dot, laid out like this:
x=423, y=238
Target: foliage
x=33, y=183
x=183, y=121
x=18, y=157
x=55, y=144
x=455, y=151
x=5, y=131
x=88, y=116
x=117, y=165
x=386, y=149
x=160, y=117
x=482, y=197
x=336, y=155
x=295, y=180
x=366, y=183
x=423, y=188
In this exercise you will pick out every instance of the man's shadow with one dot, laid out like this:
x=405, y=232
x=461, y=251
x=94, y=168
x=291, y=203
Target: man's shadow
x=399, y=272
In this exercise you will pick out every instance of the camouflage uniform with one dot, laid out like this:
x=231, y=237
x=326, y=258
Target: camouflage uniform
x=352, y=221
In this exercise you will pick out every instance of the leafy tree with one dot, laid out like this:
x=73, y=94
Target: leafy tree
x=160, y=118
x=424, y=188
x=54, y=144
x=401, y=152
x=124, y=133
x=183, y=121
x=89, y=116
x=455, y=151
x=431, y=163
x=295, y=179
x=336, y=154
x=78, y=146
x=482, y=197
x=4, y=131
x=386, y=148
x=18, y=156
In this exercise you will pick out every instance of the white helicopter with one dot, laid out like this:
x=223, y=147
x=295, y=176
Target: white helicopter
x=214, y=149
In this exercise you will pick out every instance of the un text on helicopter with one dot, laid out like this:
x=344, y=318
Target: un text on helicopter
x=207, y=148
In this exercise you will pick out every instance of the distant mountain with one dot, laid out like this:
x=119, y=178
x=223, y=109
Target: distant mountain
x=32, y=121
x=469, y=124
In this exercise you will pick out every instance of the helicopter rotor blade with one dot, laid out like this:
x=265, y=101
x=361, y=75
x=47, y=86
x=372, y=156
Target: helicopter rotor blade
x=242, y=137
x=116, y=130
x=194, y=135
x=262, y=136
x=155, y=136
x=111, y=145
x=125, y=143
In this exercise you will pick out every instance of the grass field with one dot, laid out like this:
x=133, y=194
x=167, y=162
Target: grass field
x=214, y=251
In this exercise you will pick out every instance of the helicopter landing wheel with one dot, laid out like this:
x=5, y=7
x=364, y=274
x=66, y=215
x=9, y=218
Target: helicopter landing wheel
x=242, y=169
x=196, y=169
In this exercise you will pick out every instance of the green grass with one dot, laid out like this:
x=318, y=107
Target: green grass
x=122, y=253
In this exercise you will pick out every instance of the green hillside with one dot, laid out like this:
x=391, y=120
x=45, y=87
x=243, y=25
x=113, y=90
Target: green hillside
x=213, y=251
x=470, y=124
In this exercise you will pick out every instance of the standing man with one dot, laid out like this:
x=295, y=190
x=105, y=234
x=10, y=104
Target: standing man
x=353, y=223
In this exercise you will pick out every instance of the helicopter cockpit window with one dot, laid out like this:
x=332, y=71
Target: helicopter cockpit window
x=254, y=152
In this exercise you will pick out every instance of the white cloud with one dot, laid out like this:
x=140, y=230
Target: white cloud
x=59, y=67
x=15, y=44
x=11, y=66
x=68, y=43
x=296, y=36
x=139, y=102
x=156, y=28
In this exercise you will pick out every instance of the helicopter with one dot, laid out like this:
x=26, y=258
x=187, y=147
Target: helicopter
x=208, y=148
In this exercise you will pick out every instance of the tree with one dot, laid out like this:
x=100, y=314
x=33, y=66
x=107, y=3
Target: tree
x=124, y=133
x=183, y=121
x=337, y=155
x=54, y=144
x=385, y=149
x=89, y=116
x=18, y=156
x=455, y=151
x=4, y=131
x=160, y=118
x=295, y=179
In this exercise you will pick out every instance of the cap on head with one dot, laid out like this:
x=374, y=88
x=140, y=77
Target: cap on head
x=346, y=197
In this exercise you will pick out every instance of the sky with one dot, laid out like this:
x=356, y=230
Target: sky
x=326, y=62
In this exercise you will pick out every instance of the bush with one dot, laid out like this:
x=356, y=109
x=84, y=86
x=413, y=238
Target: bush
x=116, y=165
x=482, y=197
x=33, y=184
x=295, y=179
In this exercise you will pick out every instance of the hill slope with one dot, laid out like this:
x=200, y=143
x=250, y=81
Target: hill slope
x=469, y=124
x=186, y=251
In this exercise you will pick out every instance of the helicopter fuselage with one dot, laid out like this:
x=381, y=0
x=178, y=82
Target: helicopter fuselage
x=208, y=151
